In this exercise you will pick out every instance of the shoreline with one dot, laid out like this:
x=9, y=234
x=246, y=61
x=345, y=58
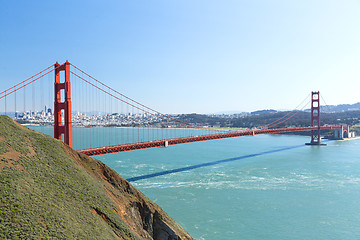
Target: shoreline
x=348, y=139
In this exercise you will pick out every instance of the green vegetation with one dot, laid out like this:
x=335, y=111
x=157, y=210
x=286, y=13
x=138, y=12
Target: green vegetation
x=43, y=199
x=48, y=191
x=301, y=119
x=356, y=128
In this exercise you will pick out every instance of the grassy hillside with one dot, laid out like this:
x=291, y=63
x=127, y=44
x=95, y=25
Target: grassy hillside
x=49, y=191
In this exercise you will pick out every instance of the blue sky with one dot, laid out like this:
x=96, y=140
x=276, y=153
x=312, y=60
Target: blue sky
x=192, y=56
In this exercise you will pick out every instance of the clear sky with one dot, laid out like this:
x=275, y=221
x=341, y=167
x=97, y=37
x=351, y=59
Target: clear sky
x=183, y=56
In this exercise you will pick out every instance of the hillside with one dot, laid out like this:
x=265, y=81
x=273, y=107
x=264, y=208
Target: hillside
x=300, y=119
x=340, y=108
x=49, y=191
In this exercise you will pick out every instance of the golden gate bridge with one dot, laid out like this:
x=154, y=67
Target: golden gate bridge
x=84, y=101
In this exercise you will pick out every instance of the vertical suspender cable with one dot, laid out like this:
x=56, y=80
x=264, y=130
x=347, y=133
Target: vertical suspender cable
x=148, y=131
x=117, y=123
x=24, y=102
x=74, y=116
x=143, y=126
x=109, y=130
x=33, y=101
x=103, y=127
x=86, y=109
x=127, y=123
x=49, y=97
x=91, y=116
x=82, y=100
x=5, y=104
x=15, y=107
x=122, y=122
x=152, y=129
x=98, y=130
x=132, y=139
x=42, y=102
x=138, y=127
x=162, y=129
x=78, y=107
x=166, y=130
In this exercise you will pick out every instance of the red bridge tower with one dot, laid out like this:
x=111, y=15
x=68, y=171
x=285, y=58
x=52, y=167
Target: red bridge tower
x=315, y=119
x=62, y=111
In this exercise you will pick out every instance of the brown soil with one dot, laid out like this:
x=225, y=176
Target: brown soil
x=12, y=157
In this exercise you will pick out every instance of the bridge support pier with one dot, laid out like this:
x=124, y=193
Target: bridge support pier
x=341, y=133
x=62, y=110
x=315, y=119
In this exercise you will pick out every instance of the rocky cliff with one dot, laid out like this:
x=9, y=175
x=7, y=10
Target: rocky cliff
x=50, y=191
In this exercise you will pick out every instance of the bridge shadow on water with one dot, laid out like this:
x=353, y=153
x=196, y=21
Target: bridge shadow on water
x=133, y=179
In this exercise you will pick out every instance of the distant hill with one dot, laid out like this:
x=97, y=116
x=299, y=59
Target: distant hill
x=273, y=119
x=267, y=111
x=227, y=112
x=324, y=108
x=50, y=191
x=340, y=108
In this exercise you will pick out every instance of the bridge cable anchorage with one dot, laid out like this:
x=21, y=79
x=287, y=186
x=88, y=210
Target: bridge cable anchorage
x=142, y=105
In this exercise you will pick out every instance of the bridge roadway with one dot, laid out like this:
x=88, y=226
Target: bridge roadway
x=174, y=141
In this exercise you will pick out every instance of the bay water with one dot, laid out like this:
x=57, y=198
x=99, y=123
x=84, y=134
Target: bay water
x=256, y=187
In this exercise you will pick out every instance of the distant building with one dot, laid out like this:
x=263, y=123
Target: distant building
x=343, y=132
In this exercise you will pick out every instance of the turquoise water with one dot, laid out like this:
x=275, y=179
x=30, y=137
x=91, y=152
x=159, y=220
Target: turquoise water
x=107, y=136
x=261, y=187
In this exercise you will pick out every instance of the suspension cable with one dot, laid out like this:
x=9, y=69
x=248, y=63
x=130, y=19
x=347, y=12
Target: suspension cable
x=290, y=116
x=272, y=123
x=132, y=100
x=16, y=89
x=26, y=79
x=130, y=104
x=326, y=105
